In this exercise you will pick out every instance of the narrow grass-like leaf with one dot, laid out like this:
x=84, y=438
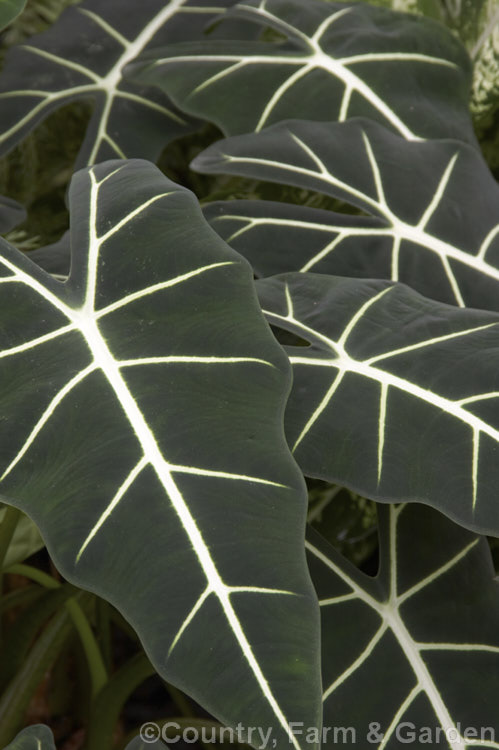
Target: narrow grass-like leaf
x=433, y=208
x=142, y=405
x=397, y=395
x=337, y=60
x=82, y=57
x=413, y=654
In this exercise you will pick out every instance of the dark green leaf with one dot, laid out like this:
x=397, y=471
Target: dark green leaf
x=142, y=408
x=338, y=60
x=82, y=57
x=415, y=647
x=397, y=395
x=433, y=208
x=55, y=258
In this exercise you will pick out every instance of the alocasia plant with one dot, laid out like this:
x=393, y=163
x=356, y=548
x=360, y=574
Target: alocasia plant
x=143, y=396
x=82, y=57
x=396, y=396
x=141, y=322
x=439, y=669
x=414, y=232
x=339, y=60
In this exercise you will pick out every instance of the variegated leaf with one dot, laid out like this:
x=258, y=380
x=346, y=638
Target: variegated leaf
x=433, y=208
x=337, y=60
x=141, y=429
x=410, y=658
x=396, y=396
x=82, y=56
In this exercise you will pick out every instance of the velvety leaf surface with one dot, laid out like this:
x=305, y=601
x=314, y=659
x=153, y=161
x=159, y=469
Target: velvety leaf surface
x=336, y=60
x=36, y=737
x=82, y=57
x=433, y=208
x=415, y=647
x=142, y=405
x=397, y=395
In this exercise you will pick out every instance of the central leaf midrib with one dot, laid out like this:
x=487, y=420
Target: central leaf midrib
x=424, y=678
x=136, y=46
x=388, y=611
x=106, y=362
x=109, y=82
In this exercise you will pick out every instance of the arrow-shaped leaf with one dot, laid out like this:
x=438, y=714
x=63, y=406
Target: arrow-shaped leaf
x=433, y=206
x=141, y=408
x=416, y=647
x=338, y=60
x=82, y=56
x=397, y=395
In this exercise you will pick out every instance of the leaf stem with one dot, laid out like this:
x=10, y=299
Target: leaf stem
x=96, y=666
x=16, y=697
x=7, y=529
x=108, y=704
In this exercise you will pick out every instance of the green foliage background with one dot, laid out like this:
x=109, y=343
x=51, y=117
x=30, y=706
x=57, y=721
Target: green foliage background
x=37, y=174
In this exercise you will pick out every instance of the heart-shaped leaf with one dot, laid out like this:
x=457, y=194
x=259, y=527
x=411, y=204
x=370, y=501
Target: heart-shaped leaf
x=82, y=57
x=397, y=395
x=338, y=60
x=142, y=408
x=411, y=657
x=434, y=208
